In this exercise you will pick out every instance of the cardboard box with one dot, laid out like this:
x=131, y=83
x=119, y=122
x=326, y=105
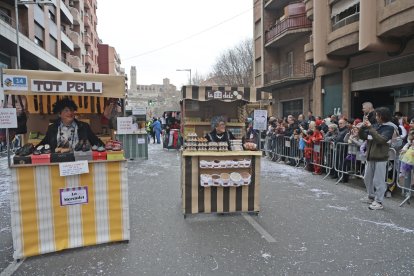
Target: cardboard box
x=20, y=160
x=83, y=155
x=99, y=155
x=41, y=158
x=115, y=155
x=62, y=157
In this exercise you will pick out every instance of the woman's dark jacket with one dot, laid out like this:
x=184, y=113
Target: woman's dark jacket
x=84, y=133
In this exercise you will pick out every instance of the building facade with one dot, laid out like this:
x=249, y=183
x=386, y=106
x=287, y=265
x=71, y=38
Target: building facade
x=59, y=37
x=157, y=98
x=109, y=61
x=358, y=51
x=281, y=29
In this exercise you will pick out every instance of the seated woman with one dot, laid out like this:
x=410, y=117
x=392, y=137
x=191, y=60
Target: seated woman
x=67, y=132
x=219, y=133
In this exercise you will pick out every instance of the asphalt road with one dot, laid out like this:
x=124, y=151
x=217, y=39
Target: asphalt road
x=307, y=226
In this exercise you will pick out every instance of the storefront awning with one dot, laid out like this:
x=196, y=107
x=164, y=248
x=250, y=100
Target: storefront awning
x=342, y=5
x=221, y=93
x=28, y=82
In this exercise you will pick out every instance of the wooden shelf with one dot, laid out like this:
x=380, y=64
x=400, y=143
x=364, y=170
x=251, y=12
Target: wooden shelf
x=209, y=124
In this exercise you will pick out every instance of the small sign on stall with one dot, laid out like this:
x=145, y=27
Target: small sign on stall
x=141, y=140
x=124, y=125
x=260, y=119
x=8, y=118
x=139, y=110
x=73, y=196
x=73, y=168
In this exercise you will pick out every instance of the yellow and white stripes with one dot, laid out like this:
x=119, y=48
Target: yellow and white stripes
x=41, y=225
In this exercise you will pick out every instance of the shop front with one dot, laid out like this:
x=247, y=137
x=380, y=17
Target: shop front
x=72, y=198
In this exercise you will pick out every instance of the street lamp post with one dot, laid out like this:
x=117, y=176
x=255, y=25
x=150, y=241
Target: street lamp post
x=187, y=70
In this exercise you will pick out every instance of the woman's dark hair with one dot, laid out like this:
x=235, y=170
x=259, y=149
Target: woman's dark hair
x=384, y=113
x=61, y=104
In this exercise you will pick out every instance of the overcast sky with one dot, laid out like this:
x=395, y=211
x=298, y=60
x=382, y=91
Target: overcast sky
x=161, y=36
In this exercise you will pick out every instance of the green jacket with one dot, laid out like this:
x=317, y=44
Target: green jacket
x=377, y=147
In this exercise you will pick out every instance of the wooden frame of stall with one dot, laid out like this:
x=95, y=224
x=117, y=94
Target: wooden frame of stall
x=205, y=102
x=40, y=223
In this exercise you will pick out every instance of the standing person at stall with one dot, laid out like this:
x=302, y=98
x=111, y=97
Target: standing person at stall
x=66, y=131
x=219, y=133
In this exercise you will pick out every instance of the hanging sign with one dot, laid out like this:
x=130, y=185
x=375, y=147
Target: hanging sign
x=260, y=120
x=124, y=125
x=8, y=118
x=64, y=86
x=139, y=110
x=224, y=95
x=73, y=196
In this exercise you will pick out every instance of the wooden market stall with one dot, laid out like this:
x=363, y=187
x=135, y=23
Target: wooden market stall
x=200, y=161
x=51, y=211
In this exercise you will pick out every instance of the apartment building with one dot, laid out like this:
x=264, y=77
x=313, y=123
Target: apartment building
x=43, y=37
x=362, y=51
x=83, y=34
x=60, y=36
x=109, y=61
x=358, y=51
x=281, y=29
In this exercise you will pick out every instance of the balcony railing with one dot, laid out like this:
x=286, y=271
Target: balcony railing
x=291, y=23
x=5, y=18
x=286, y=72
x=348, y=20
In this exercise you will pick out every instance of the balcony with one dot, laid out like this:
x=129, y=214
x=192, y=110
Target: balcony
x=87, y=5
x=396, y=19
x=309, y=50
x=88, y=59
x=65, y=14
x=309, y=9
x=344, y=41
x=275, y=4
x=76, y=39
x=286, y=75
x=346, y=21
x=77, y=20
x=87, y=20
x=67, y=43
x=75, y=63
x=287, y=30
x=88, y=40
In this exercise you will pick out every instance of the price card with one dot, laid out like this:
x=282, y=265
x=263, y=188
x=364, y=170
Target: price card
x=8, y=118
x=73, y=168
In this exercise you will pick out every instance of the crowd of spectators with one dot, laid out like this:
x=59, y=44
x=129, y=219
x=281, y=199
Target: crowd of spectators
x=366, y=139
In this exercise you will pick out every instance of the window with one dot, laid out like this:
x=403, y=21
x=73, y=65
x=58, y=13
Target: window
x=387, y=2
x=290, y=63
x=52, y=46
x=294, y=108
x=39, y=35
x=344, y=15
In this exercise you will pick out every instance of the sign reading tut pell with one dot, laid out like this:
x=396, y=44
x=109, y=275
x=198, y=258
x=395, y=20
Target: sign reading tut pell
x=66, y=86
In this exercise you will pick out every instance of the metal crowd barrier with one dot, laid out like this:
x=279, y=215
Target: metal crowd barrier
x=404, y=182
x=343, y=158
x=322, y=155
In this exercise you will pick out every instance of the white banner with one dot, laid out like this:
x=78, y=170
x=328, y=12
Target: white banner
x=139, y=110
x=64, y=86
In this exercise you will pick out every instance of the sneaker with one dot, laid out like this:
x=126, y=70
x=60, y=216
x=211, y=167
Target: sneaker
x=367, y=200
x=376, y=206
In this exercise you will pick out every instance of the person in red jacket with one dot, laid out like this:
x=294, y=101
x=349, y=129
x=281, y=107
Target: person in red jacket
x=316, y=138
